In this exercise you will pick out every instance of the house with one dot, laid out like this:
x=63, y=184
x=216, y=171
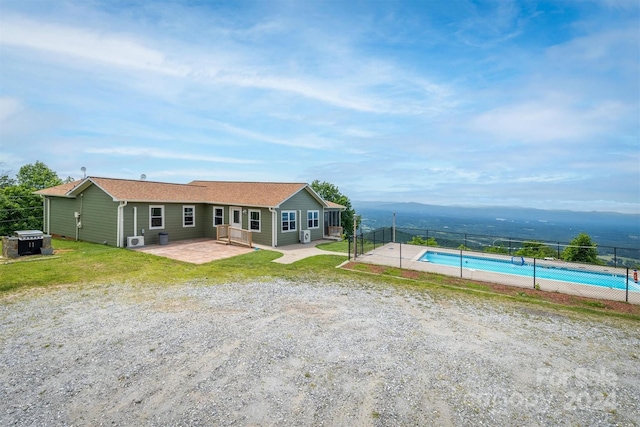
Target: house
x=112, y=211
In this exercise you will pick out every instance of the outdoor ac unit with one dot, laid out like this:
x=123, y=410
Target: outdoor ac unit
x=135, y=241
x=305, y=236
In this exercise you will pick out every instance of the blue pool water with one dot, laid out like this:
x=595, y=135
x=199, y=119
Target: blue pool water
x=517, y=267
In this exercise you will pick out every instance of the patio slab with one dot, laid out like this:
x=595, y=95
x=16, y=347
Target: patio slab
x=201, y=251
x=198, y=251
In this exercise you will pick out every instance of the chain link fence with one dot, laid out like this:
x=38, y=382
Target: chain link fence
x=505, y=260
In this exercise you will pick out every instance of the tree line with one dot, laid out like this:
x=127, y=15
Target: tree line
x=20, y=209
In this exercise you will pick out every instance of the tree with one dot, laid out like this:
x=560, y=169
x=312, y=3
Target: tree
x=581, y=249
x=535, y=249
x=497, y=250
x=37, y=176
x=6, y=180
x=20, y=209
x=418, y=240
x=331, y=193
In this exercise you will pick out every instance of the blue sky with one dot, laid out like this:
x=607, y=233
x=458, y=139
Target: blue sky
x=511, y=103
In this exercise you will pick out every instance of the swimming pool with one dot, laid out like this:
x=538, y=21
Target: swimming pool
x=518, y=266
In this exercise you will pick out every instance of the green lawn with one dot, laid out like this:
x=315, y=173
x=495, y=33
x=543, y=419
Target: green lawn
x=79, y=262
x=343, y=246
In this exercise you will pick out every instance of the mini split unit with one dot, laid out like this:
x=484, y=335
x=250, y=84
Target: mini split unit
x=135, y=241
x=305, y=236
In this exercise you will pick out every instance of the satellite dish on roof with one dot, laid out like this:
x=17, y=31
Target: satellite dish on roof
x=143, y=177
x=84, y=172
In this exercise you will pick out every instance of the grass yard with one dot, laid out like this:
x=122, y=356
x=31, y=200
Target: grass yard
x=343, y=246
x=77, y=263
x=80, y=262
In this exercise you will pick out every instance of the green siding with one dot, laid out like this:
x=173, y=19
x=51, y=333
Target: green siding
x=62, y=222
x=264, y=236
x=100, y=212
x=302, y=202
x=173, y=222
x=210, y=230
x=99, y=217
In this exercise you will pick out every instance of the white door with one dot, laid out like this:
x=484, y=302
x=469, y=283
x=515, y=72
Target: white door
x=236, y=222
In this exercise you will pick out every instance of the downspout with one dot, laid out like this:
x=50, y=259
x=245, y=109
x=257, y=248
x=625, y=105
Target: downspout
x=48, y=215
x=44, y=214
x=120, y=228
x=274, y=227
x=135, y=220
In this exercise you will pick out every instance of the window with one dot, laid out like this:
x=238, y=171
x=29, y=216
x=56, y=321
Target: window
x=156, y=217
x=188, y=216
x=289, y=221
x=218, y=216
x=254, y=221
x=313, y=219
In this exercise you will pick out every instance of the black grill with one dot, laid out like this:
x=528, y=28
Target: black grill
x=29, y=241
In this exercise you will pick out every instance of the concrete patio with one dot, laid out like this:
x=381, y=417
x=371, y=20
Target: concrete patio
x=201, y=251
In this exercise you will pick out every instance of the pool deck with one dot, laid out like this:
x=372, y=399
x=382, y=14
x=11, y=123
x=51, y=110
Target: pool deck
x=407, y=256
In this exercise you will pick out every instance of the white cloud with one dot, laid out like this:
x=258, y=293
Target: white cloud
x=545, y=121
x=111, y=49
x=9, y=107
x=164, y=154
x=603, y=49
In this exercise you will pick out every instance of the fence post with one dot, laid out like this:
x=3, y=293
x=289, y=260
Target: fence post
x=460, y=263
x=401, y=255
x=349, y=250
x=559, y=250
x=615, y=257
x=627, y=294
x=534, y=272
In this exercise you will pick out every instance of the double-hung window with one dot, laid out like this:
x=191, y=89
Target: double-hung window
x=254, y=221
x=289, y=221
x=313, y=220
x=188, y=216
x=218, y=216
x=156, y=217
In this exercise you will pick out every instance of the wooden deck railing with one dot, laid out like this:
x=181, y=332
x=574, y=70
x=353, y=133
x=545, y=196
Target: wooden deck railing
x=335, y=231
x=229, y=234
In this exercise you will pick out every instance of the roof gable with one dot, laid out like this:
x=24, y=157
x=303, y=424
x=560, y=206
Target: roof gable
x=270, y=194
x=59, y=190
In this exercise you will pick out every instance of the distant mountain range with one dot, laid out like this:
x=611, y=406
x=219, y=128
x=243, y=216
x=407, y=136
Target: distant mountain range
x=605, y=228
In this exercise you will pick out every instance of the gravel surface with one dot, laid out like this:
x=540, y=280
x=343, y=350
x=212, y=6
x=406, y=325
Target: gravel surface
x=284, y=353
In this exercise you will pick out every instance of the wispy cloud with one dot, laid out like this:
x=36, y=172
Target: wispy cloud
x=9, y=107
x=165, y=154
x=485, y=101
x=109, y=49
x=546, y=122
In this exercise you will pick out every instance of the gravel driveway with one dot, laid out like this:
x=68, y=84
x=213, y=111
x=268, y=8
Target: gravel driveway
x=312, y=353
